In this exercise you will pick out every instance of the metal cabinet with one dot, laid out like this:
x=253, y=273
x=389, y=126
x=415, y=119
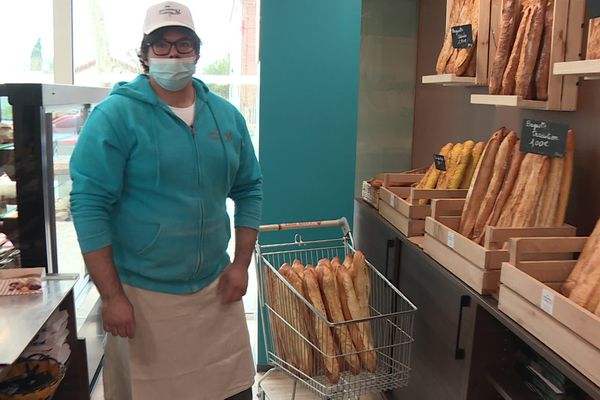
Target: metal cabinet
x=443, y=329
x=377, y=239
x=444, y=321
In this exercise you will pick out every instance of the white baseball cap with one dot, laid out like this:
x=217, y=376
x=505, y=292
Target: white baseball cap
x=167, y=13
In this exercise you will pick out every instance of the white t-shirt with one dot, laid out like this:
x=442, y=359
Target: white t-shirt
x=186, y=113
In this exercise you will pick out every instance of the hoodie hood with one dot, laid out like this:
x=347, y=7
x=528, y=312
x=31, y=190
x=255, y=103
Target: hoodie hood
x=141, y=90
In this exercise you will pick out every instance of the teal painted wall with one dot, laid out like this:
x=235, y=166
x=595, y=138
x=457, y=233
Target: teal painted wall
x=309, y=74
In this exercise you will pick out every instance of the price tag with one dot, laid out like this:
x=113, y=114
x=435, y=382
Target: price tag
x=545, y=138
x=440, y=162
x=450, y=240
x=593, y=8
x=462, y=36
x=547, y=303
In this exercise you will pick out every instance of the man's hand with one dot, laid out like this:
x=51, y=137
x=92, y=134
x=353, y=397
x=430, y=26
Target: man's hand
x=118, y=316
x=233, y=283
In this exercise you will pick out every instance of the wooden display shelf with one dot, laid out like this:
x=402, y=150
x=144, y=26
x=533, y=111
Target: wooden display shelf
x=407, y=217
x=567, y=37
x=451, y=80
x=530, y=295
x=477, y=266
x=589, y=69
x=481, y=52
x=509, y=101
x=370, y=194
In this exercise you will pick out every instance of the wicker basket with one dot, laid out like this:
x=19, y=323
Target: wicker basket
x=32, y=379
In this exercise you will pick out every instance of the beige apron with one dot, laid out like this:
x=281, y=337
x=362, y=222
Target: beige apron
x=187, y=347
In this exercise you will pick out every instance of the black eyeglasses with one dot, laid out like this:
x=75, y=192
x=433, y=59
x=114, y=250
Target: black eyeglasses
x=163, y=47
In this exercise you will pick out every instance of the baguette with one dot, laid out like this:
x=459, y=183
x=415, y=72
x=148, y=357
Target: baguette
x=567, y=177
x=524, y=212
x=475, y=156
x=516, y=195
x=510, y=72
x=359, y=273
x=594, y=301
x=465, y=55
x=300, y=320
x=500, y=168
x=329, y=289
x=421, y=184
x=460, y=166
x=298, y=267
x=597, y=312
x=352, y=311
x=588, y=281
x=542, y=70
x=508, y=184
x=472, y=67
x=323, y=332
x=508, y=28
x=289, y=340
x=362, y=282
x=348, y=260
x=547, y=207
x=593, y=49
x=447, y=48
x=530, y=49
x=450, y=166
x=435, y=174
x=273, y=293
x=463, y=19
x=480, y=183
x=588, y=250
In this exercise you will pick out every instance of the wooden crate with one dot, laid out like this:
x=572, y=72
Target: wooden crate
x=529, y=294
x=588, y=68
x=482, y=52
x=567, y=38
x=478, y=266
x=370, y=194
x=409, y=217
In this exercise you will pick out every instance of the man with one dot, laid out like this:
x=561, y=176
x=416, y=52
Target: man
x=151, y=172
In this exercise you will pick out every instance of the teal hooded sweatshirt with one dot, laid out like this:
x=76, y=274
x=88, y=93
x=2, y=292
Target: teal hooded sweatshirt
x=154, y=189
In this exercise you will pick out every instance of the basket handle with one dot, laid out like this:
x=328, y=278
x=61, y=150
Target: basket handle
x=342, y=222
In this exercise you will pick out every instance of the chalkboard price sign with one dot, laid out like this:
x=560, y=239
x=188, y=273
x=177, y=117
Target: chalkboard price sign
x=440, y=162
x=462, y=36
x=593, y=8
x=545, y=138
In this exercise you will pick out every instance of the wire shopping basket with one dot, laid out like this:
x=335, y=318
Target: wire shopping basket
x=306, y=333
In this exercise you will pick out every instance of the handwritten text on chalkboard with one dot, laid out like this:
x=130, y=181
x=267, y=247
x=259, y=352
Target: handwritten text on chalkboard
x=462, y=36
x=545, y=138
x=593, y=8
x=440, y=162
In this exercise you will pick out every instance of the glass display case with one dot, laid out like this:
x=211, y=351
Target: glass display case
x=39, y=127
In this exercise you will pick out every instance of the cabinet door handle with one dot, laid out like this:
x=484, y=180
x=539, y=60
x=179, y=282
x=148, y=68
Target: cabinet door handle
x=390, y=245
x=459, y=353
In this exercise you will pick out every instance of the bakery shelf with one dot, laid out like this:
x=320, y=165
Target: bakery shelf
x=590, y=69
x=513, y=101
x=567, y=37
x=450, y=80
x=480, y=69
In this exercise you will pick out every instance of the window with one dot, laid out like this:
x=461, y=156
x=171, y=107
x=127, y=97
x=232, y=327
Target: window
x=28, y=52
x=107, y=36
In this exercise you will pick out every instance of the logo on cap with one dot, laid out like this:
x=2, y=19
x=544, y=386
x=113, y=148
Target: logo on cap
x=169, y=10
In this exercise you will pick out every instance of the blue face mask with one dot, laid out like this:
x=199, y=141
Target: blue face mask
x=172, y=73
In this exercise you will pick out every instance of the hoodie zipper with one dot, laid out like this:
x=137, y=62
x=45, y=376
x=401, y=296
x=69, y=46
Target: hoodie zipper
x=199, y=237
